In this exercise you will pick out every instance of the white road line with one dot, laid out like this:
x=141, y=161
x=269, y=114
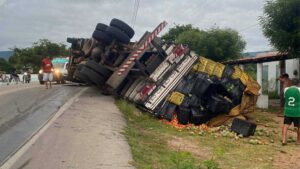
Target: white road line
x=35, y=136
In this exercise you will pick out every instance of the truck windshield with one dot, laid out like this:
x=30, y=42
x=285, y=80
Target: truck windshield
x=58, y=65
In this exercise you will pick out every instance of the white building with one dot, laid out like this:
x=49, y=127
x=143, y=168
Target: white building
x=271, y=70
x=270, y=65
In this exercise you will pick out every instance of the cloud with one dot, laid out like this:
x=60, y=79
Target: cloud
x=23, y=22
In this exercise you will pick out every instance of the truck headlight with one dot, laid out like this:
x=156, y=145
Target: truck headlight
x=56, y=71
x=25, y=73
x=41, y=71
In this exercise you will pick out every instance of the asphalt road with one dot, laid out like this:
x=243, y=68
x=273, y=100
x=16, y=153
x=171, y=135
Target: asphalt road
x=24, y=109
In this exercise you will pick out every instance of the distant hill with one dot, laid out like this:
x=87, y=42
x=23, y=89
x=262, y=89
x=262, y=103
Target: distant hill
x=6, y=54
x=252, y=54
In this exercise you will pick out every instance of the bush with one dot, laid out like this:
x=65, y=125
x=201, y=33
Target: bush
x=273, y=95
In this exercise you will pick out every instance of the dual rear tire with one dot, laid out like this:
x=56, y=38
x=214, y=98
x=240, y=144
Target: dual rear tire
x=92, y=73
x=118, y=30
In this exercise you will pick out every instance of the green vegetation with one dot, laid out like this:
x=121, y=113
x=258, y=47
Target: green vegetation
x=273, y=95
x=32, y=56
x=148, y=140
x=5, y=65
x=216, y=44
x=157, y=145
x=250, y=69
x=211, y=164
x=281, y=24
x=174, y=32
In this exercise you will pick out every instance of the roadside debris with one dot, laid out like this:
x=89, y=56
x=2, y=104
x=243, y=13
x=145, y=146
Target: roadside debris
x=243, y=127
x=167, y=80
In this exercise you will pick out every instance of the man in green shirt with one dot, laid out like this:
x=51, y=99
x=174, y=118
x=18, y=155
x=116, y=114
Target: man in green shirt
x=291, y=111
x=286, y=82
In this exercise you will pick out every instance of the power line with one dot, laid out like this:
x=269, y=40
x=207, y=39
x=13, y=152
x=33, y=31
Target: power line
x=137, y=9
x=135, y=12
x=248, y=27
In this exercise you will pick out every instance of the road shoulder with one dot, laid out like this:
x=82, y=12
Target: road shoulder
x=87, y=135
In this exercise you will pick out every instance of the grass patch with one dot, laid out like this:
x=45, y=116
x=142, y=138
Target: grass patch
x=150, y=138
x=211, y=164
x=262, y=116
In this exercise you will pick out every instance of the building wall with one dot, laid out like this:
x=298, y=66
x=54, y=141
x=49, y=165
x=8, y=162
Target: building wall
x=291, y=65
x=273, y=72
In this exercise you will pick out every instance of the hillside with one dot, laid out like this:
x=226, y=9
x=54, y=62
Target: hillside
x=6, y=54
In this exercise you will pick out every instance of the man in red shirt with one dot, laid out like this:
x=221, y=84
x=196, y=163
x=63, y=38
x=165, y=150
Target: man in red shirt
x=47, y=71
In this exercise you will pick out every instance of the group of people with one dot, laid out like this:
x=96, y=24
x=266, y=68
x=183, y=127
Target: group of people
x=13, y=76
x=47, y=68
x=290, y=105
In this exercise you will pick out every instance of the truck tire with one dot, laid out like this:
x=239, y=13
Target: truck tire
x=99, y=69
x=93, y=76
x=84, y=79
x=118, y=34
x=101, y=27
x=78, y=69
x=102, y=37
x=122, y=26
x=96, y=53
x=79, y=76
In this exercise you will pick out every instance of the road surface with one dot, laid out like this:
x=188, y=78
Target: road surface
x=24, y=108
x=74, y=127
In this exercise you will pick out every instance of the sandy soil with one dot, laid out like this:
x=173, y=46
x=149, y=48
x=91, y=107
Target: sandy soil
x=178, y=143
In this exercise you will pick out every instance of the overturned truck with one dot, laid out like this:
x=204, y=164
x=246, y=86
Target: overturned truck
x=167, y=80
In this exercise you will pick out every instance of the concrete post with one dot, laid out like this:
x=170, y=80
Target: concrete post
x=259, y=75
x=263, y=100
x=281, y=71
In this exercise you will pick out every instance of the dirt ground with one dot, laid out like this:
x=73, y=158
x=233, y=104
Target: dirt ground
x=180, y=144
x=287, y=159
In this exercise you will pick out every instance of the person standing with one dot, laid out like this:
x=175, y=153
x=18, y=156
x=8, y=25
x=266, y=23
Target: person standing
x=14, y=76
x=286, y=82
x=291, y=111
x=47, y=68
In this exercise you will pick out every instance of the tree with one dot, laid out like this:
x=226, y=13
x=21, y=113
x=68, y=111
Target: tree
x=216, y=44
x=222, y=44
x=281, y=25
x=174, y=32
x=5, y=66
x=192, y=38
x=32, y=56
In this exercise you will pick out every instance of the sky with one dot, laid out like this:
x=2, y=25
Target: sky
x=23, y=22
